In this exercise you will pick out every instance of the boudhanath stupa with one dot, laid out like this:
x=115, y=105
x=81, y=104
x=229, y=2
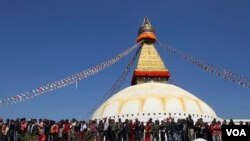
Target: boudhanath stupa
x=150, y=95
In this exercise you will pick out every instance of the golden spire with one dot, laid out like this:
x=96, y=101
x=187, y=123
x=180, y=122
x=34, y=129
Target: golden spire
x=150, y=66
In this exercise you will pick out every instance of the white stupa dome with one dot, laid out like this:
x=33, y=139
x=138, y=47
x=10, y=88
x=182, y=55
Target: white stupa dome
x=154, y=100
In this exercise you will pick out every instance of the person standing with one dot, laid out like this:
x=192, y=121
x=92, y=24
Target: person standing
x=5, y=129
x=17, y=129
x=147, y=132
x=141, y=131
x=200, y=128
x=54, y=131
x=231, y=122
x=132, y=131
x=66, y=128
x=136, y=124
x=93, y=129
x=120, y=129
x=208, y=133
x=23, y=126
x=173, y=130
x=100, y=130
x=114, y=130
x=179, y=126
x=162, y=130
x=61, y=128
x=185, y=131
x=216, y=128
x=156, y=130
x=190, y=124
x=126, y=130
x=105, y=132
x=11, y=130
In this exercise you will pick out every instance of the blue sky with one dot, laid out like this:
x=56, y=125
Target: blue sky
x=44, y=41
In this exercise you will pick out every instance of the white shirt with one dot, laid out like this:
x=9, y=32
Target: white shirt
x=106, y=125
x=83, y=127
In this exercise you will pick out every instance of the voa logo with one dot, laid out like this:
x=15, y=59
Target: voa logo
x=236, y=132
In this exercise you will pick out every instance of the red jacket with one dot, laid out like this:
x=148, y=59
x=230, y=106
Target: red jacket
x=216, y=129
x=66, y=128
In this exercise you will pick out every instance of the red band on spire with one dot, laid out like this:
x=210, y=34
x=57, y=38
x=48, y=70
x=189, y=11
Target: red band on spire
x=152, y=73
x=136, y=74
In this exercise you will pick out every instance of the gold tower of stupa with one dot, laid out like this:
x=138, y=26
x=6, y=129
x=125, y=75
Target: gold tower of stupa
x=150, y=66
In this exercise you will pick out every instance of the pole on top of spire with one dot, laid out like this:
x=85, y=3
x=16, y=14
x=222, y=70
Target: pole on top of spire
x=146, y=21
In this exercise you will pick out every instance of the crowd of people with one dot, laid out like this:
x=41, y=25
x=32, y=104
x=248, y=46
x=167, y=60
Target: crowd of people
x=110, y=130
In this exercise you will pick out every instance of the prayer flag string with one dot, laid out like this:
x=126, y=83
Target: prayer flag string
x=218, y=71
x=66, y=81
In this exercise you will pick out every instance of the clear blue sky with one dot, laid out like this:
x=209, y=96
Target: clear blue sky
x=44, y=41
